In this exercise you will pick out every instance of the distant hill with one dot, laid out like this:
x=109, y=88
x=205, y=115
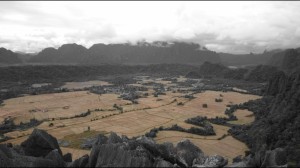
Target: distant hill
x=218, y=70
x=142, y=53
x=259, y=73
x=8, y=57
x=287, y=60
x=247, y=59
x=24, y=57
x=67, y=53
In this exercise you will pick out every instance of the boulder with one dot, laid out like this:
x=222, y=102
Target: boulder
x=67, y=157
x=167, y=151
x=275, y=158
x=94, y=155
x=199, y=160
x=163, y=163
x=213, y=161
x=5, y=160
x=63, y=143
x=10, y=158
x=187, y=152
x=114, y=138
x=117, y=155
x=40, y=143
x=238, y=164
x=81, y=162
x=149, y=144
x=237, y=159
x=101, y=139
x=56, y=157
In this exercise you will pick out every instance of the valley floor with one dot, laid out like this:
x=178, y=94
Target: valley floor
x=57, y=110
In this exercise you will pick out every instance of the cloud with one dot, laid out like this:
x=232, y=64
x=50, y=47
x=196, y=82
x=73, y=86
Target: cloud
x=236, y=27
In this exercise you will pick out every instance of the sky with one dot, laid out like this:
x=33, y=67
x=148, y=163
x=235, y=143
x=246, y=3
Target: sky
x=222, y=26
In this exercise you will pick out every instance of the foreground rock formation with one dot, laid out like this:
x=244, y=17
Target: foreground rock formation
x=42, y=150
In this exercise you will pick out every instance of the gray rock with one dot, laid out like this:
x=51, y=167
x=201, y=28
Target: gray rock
x=94, y=155
x=101, y=139
x=114, y=138
x=40, y=143
x=5, y=160
x=67, y=157
x=163, y=163
x=63, y=143
x=118, y=154
x=10, y=158
x=187, y=152
x=89, y=142
x=275, y=158
x=237, y=159
x=258, y=158
x=81, y=162
x=213, y=161
x=247, y=161
x=56, y=157
x=167, y=151
x=199, y=160
x=238, y=164
x=149, y=144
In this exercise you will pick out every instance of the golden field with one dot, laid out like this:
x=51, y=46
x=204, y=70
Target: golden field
x=136, y=119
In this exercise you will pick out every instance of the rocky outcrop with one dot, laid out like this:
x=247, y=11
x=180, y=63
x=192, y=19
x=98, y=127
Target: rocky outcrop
x=277, y=84
x=262, y=73
x=269, y=158
x=187, y=152
x=288, y=60
x=212, y=161
x=10, y=158
x=114, y=151
x=277, y=126
x=40, y=143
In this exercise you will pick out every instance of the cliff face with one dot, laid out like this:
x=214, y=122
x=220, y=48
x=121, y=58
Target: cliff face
x=287, y=60
x=279, y=127
x=262, y=73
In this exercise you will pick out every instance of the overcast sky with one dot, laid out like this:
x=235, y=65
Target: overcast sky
x=235, y=27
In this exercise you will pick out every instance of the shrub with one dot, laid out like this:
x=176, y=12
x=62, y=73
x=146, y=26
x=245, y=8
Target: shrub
x=218, y=100
x=180, y=104
x=204, y=105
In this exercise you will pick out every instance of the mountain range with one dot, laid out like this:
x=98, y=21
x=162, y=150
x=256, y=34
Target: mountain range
x=150, y=53
x=142, y=53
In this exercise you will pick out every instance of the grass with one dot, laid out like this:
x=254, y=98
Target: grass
x=76, y=140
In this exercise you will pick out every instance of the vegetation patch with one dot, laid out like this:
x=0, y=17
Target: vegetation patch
x=76, y=140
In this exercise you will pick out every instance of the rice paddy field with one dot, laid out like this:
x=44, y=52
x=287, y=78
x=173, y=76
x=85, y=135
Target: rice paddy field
x=57, y=110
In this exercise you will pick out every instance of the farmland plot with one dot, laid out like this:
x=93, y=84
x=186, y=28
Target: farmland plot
x=133, y=120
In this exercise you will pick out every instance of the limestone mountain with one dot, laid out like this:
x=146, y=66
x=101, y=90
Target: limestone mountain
x=247, y=59
x=67, y=53
x=8, y=57
x=141, y=53
x=287, y=60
